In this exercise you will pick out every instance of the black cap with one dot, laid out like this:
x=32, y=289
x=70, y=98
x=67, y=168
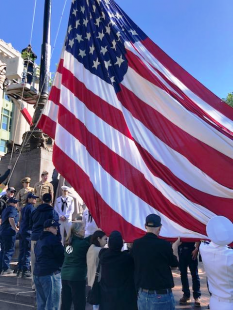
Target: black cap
x=47, y=197
x=153, y=220
x=12, y=200
x=11, y=189
x=50, y=223
x=31, y=195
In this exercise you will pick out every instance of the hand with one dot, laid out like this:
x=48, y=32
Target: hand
x=16, y=229
x=195, y=253
x=9, y=167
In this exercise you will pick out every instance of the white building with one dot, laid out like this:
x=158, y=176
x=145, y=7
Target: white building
x=12, y=123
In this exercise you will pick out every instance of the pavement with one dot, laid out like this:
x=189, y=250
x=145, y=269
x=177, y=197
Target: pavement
x=16, y=293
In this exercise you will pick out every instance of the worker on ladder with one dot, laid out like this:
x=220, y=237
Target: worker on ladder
x=29, y=58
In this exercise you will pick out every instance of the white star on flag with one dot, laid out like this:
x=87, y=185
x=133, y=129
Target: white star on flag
x=119, y=61
x=85, y=22
x=107, y=64
x=74, y=12
x=82, y=53
x=79, y=38
x=71, y=43
x=96, y=64
x=77, y=23
x=100, y=36
x=104, y=50
x=92, y=48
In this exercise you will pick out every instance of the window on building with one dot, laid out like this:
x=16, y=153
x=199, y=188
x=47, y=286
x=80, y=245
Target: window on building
x=3, y=146
x=6, y=119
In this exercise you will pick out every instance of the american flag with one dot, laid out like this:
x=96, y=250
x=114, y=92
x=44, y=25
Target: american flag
x=134, y=133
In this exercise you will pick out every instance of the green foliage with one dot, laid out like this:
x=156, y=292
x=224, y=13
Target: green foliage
x=229, y=99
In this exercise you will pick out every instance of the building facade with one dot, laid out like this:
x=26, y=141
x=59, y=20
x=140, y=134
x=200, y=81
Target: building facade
x=12, y=123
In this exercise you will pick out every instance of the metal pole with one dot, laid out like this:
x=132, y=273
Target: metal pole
x=45, y=62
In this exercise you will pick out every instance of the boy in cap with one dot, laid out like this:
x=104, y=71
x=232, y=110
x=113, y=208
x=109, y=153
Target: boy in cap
x=39, y=216
x=23, y=192
x=47, y=272
x=25, y=233
x=153, y=259
x=8, y=230
x=64, y=205
x=43, y=187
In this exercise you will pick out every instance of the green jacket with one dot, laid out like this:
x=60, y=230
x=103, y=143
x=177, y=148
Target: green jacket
x=75, y=264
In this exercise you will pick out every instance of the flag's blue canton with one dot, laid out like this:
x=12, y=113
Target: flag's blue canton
x=96, y=33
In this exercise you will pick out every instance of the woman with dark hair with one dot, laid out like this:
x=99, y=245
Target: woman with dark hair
x=117, y=281
x=98, y=241
x=74, y=269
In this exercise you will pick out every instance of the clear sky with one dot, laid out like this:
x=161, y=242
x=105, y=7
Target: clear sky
x=198, y=34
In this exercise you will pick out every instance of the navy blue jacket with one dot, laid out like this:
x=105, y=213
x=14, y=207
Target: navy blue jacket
x=49, y=254
x=24, y=228
x=42, y=213
x=5, y=228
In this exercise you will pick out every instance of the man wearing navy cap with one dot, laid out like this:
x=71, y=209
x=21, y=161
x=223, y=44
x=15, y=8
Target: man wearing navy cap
x=25, y=233
x=49, y=254
x=42, y=213
x=153, y=259
x=10, y=192
x=8, y=230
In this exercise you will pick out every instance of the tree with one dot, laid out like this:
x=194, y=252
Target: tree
x=229, y=99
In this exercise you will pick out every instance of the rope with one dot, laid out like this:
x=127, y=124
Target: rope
x=32, y=27
x=26, y=140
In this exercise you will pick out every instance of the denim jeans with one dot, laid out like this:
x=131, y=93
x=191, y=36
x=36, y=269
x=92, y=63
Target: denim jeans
x=48, y=291
x=185, y=261
x=24, y=253
x=7, y=251
x=155, y=301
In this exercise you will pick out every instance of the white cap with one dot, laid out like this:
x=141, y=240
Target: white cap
x=66, y=188
x=220, y=230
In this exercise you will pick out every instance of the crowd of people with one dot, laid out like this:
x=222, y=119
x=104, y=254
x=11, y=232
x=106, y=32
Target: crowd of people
x=64, y=257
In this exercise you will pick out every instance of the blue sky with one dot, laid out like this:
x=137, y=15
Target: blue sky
x=198, y=34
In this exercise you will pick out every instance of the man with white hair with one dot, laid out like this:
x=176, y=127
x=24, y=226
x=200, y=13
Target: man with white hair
x=218, y=262
x=64, y=205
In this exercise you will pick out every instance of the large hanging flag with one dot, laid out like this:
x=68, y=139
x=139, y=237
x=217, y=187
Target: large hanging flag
x=133, y=132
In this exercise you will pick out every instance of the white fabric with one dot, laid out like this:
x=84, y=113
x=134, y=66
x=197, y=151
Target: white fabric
x=64, y=227
x=90, y=227
x=218, y=264
x=68, y=211
x=220, y=230
x=92, y=263
x=220, y=304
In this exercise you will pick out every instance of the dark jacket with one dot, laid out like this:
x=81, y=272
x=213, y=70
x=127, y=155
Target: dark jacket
x=153, y=259
x=49, y=254
x=117, y=281
x=4, y=176
x=75, y=263
x=25, y=226
x=5, y=228
x=42, y=213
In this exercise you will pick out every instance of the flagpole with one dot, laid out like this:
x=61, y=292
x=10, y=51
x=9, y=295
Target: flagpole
x=45, y=63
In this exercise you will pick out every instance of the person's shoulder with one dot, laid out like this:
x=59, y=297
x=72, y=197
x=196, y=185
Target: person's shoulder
x=38, y=183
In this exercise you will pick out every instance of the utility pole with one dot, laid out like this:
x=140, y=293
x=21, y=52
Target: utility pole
x=44, y=65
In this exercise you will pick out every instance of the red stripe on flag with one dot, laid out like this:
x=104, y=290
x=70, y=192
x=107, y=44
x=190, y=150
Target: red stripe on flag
x=114, y=165
x=195, y=86
x=106, y=218
x=215, y=164
x=47, y=125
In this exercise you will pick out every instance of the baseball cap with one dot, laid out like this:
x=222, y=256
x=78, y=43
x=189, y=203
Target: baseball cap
x=11, y=189
x=31, y=195
x=51, y=222
x=12, y=200
x=153, y=220
x=47, y=197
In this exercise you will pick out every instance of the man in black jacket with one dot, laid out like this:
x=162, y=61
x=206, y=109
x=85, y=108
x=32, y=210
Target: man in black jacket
x=153, y=259
x=47, y=272
x=10, y=192
x=42, y=213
